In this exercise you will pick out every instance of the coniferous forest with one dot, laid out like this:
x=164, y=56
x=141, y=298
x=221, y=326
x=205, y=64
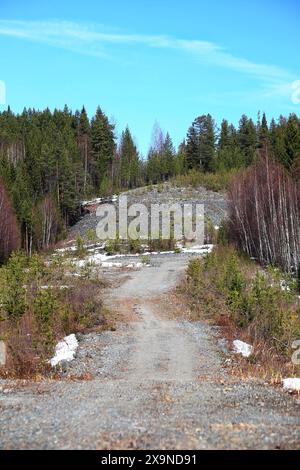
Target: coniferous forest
x=50, y=161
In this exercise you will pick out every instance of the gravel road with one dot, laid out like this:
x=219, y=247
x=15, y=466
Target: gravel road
x=157, y=382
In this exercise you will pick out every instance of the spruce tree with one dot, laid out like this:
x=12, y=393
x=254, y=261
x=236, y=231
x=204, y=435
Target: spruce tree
x=129, y=160
x=247, y=139
x=292, y=140
x=201, y=143
x=263, y=132
x=103, y=146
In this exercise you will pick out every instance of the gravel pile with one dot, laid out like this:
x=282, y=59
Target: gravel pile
x=215, y=204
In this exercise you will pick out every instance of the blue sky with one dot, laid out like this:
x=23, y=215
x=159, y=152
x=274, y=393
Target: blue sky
x=145, y=61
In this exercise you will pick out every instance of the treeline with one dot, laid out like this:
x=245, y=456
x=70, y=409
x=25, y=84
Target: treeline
x=50, y=161
x=210, y=149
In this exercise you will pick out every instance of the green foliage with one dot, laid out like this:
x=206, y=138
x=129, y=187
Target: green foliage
x=80, y=248
x=91, y=236
x=50, y=161
x=113, y=246
x=201, y=140
x=103, y=147
x=145, y=259
x=163, y=162
x=210, y=231
x=298, y=279
x=129, y=161
x=56, y=156
x=45, y=307
x=227, y=283
x=213, y=181
x=135, y=246
x=223, y=234
x=87, y=270
x=14, y=295
x=247, y=139
x=162, y=244
x=37, y=310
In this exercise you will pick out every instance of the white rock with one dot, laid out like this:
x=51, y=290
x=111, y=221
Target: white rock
x=245, y=349
x=111, y=265
x=291, y=384
x=201, y=250
x=3, y=353
x=65, y=350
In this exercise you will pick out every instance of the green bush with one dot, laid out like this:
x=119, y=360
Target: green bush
x=45, y=307
x=135, y=246
x=80, y=248
x=214, y=181
x=36, y=312
x=113, y=246
x=91, y=236
x=145, y=259
x=162, y=244
x=227, y=283
x=14, y=294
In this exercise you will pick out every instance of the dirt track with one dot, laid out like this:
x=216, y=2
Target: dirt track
x=158, y=383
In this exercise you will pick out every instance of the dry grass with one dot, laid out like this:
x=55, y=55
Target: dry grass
x=223, y=289
x=47, y=314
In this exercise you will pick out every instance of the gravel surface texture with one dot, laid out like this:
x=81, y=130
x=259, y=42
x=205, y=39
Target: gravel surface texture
x=215, y=204
x=156, y=382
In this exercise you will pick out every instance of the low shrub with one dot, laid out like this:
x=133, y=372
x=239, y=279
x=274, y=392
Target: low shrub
x=81, y=250
x=38, y=307
x=218, y=181
x=228, y=284
x=162, y=244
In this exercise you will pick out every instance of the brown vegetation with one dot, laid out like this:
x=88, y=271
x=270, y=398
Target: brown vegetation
x=9, y=230
x=40, y=304
x=265, y=214
x=248, y=303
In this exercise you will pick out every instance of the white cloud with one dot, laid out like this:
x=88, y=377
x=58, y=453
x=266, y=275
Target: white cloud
x=92, y=40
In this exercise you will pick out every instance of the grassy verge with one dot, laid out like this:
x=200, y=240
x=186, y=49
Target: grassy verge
x=258, y=306
x=213, y=181
x=40, y=303
x=118, y=246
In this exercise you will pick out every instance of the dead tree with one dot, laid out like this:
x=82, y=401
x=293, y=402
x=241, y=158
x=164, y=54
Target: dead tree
x=265, y=214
